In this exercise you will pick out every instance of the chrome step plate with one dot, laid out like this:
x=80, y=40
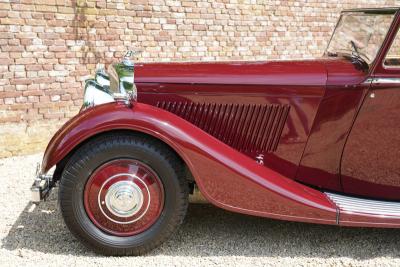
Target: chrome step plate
x=365, y=206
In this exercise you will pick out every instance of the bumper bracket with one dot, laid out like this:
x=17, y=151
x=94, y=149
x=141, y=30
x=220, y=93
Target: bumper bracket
x=42, y=186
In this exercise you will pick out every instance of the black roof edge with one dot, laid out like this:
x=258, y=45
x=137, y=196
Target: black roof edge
x=382, y=10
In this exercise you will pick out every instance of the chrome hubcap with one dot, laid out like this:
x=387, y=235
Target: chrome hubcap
x=124, y=199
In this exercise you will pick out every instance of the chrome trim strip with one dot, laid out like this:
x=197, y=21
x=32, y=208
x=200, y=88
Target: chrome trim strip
x=368, y=81
x=384, y=80
x=366, y=206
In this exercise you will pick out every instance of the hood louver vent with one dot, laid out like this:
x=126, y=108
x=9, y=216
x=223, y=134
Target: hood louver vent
x=247, y=128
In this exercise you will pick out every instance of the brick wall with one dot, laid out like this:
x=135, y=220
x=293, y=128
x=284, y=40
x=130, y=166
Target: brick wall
x=48, y=47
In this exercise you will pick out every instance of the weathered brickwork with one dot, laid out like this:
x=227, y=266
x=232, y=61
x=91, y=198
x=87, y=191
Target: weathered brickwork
x=48, y=47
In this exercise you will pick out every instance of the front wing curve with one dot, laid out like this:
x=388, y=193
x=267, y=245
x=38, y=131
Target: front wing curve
x=226, y=177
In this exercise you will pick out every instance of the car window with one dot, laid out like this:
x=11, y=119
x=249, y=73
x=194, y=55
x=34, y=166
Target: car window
x=393, y=56
x=363, y=32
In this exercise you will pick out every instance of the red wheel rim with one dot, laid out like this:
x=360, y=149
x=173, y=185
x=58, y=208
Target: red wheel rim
x=124, y=197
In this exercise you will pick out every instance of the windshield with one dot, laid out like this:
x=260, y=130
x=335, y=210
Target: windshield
x=360, y=34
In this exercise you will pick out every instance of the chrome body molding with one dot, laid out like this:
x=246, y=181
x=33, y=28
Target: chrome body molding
x=382, y=81
x=365, y=206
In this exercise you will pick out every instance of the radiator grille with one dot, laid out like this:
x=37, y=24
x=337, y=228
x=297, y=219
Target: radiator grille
x=247, y=128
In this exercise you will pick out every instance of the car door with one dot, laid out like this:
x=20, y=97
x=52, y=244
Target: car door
x=371, y=158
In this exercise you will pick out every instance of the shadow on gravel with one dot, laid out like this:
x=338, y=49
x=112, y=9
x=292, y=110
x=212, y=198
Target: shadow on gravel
x=210, y=231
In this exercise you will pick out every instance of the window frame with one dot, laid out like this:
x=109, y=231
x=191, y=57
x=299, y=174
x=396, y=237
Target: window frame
x=396, y=67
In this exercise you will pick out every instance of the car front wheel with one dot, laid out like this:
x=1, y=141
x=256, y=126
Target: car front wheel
x=123, y=194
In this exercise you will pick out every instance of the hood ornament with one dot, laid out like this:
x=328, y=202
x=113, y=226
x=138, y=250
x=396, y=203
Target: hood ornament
x=127, y=58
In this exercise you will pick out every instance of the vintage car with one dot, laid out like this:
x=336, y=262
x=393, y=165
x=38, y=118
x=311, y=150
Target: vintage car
x=302, y=140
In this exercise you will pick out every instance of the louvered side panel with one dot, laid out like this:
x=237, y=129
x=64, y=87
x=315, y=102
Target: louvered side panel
x=247, y=128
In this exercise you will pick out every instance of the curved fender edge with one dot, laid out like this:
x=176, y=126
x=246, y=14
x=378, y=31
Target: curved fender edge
x=226, y=177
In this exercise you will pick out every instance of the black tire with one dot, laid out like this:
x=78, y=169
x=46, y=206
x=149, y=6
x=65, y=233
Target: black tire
x=168, y=166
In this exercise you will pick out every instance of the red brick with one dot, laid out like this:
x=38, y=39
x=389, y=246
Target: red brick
x=66, y=10
x=55, y=48
x=36, y=22
x=32, y=93
x=12, y=48
x=25, y=61
x=34, y=67
x=24, y=106
x=119, y=25
x=46, y=8
x=9, y=94
x=19, y=7
x=20, y=81
x=9, y=21
x=199, y=27
x=5, y=6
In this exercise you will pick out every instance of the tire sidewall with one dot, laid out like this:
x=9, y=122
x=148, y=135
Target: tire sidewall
x=81, y=168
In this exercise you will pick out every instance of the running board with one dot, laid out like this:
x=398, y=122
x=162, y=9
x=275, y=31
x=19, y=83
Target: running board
x=366, y=206
x=366, y=212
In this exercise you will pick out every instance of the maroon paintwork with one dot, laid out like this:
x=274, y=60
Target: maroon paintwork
x=371, y=159
x=233, y=73
x=320, y=164
x=224, y=98
x=226, y=177
x=311, y=124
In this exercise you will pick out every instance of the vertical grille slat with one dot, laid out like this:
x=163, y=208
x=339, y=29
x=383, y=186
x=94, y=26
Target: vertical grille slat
x=249, y=128
x=231, y=120
x=214, y=120
x=233, y=130
x=209, y=117
x=248, y=142
x=268, y=128
x=220, y=121
x=202, y=121
x=282, y=121
x=258, y=134
x=275, y=125
x=239, y=133
x=246, y=129
x=225, y=120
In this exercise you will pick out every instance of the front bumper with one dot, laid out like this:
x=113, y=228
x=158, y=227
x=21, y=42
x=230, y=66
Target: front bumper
x=41, y=186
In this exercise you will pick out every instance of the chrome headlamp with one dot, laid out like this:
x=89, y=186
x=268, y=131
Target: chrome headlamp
x=114, y=85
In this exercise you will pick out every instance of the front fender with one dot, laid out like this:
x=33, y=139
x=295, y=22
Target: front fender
x=226, y=177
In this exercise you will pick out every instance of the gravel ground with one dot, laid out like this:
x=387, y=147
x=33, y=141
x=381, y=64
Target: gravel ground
x=32, y=235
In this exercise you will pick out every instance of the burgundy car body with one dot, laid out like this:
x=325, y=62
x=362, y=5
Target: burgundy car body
x=294, y=140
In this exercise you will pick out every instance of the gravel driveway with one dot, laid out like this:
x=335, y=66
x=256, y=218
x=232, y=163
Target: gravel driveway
x=210, y=236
